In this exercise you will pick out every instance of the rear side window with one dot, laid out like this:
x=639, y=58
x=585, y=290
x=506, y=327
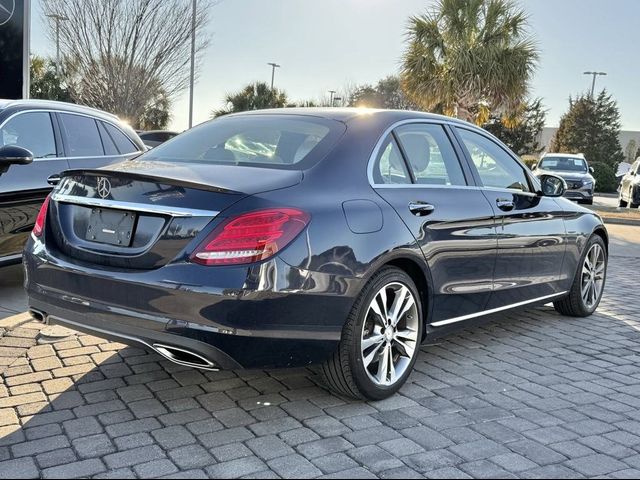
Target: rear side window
x=431, y=155
x=32, y=131
x=124, y=144
x=81, y=133
x=276, y=141
x=107, y=142
x=390, y=168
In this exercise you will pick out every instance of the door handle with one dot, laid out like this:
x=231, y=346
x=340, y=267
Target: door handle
x=54, y=180
x=505, y=205
x=421, y=209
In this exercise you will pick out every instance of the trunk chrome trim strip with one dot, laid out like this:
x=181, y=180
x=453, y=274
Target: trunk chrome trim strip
x=133, y=207
x=495, y=310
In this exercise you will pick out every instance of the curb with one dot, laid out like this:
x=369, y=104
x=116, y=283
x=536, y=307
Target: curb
x=621, y=221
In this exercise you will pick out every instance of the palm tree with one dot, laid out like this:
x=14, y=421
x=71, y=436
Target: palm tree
x=469, y=59
x=255, y=96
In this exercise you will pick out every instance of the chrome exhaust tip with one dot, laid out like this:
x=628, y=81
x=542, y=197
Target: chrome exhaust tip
x=184, y=357
x=38, y=316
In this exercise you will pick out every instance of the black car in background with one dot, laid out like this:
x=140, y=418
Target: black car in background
x=153, y=138
x=57, y=136
x=292, y=237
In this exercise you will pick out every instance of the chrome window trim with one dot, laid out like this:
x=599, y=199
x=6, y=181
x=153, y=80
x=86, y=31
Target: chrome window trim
x=45, y=110
x=495, y=310
x=388, y=131
x=133, y=207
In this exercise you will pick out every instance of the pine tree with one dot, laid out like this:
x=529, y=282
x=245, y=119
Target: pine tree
x=521, y=135
x=591, y=126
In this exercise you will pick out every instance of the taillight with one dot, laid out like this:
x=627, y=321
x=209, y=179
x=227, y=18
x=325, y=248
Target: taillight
x=251, y=237
x=38, y=228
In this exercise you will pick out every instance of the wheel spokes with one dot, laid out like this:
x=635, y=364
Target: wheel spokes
x=369, y=342
x=387, y=351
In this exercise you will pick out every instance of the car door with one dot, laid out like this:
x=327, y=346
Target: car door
x=531, y=229
x=92, y=143
x=23, y=188
x=418, y=171
x=627, y=181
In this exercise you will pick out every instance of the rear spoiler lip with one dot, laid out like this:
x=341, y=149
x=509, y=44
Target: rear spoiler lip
x=142, y=176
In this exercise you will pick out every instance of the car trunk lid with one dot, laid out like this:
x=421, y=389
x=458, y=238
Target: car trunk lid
x=135, y=216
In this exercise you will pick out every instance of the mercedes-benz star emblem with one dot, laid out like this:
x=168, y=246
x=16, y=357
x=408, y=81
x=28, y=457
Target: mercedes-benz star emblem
x=7, y=8
x=104, y=187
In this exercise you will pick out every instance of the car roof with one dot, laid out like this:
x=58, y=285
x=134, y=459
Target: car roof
x=348, y=114
x=54, y=105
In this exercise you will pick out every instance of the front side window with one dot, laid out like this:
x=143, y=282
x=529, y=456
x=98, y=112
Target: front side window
x=495, y=166
x=275, y=141
x=83, y=138
x=430, y=155
x=32, y=131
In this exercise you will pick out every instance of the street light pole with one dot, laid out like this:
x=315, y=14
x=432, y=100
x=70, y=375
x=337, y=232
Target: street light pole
x=192, y=79
x=58, y=19
x=273, y=72
x=332, y=92
x=593, y=83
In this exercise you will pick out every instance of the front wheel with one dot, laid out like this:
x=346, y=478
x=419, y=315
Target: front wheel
x=588, y=286
x=631, y=197
x=380, y=341
x=622, y=203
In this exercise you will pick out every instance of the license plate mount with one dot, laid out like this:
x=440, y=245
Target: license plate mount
x=111, y=227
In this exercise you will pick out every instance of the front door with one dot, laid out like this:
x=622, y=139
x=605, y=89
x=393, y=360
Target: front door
x=23, y=188
x=419, y=174
x=531, y=230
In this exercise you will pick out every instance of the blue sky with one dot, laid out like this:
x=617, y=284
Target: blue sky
x=325, y=44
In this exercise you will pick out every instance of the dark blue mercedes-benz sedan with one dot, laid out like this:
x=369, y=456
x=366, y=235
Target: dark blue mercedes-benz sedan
x=293, y=237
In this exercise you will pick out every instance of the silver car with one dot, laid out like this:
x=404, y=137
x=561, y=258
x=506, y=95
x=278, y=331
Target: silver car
x=574, y=169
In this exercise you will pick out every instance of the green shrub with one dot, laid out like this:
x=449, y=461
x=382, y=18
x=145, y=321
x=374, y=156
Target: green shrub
x=605, y=175
x=530, y=161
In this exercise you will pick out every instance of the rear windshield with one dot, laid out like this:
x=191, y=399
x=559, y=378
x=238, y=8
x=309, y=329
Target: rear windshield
x=276, y=141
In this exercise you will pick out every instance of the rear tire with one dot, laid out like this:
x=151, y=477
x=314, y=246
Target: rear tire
x=588, y=285
x=374, y=357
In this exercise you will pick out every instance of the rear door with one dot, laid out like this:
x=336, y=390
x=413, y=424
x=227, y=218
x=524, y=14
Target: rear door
x=23, y=188
x=418, y=171
x=531, y=230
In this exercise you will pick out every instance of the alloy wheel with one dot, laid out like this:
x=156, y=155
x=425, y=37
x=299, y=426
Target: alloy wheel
x=390, y=334
x=593, y=275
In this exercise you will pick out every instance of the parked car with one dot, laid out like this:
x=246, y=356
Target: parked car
x=630, y=187
x=154, y=138
x=40, y=139
x=293, y=237
x=574, y=169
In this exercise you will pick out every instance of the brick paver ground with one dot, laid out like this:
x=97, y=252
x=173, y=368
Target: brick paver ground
x=530, y=394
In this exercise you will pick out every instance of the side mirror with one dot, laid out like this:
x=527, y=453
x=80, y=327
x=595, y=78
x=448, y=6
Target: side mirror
x=14, y=155
x=592, y=170
x=552, y=185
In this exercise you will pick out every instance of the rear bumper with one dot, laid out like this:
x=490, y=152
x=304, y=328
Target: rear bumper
x=270, y=315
